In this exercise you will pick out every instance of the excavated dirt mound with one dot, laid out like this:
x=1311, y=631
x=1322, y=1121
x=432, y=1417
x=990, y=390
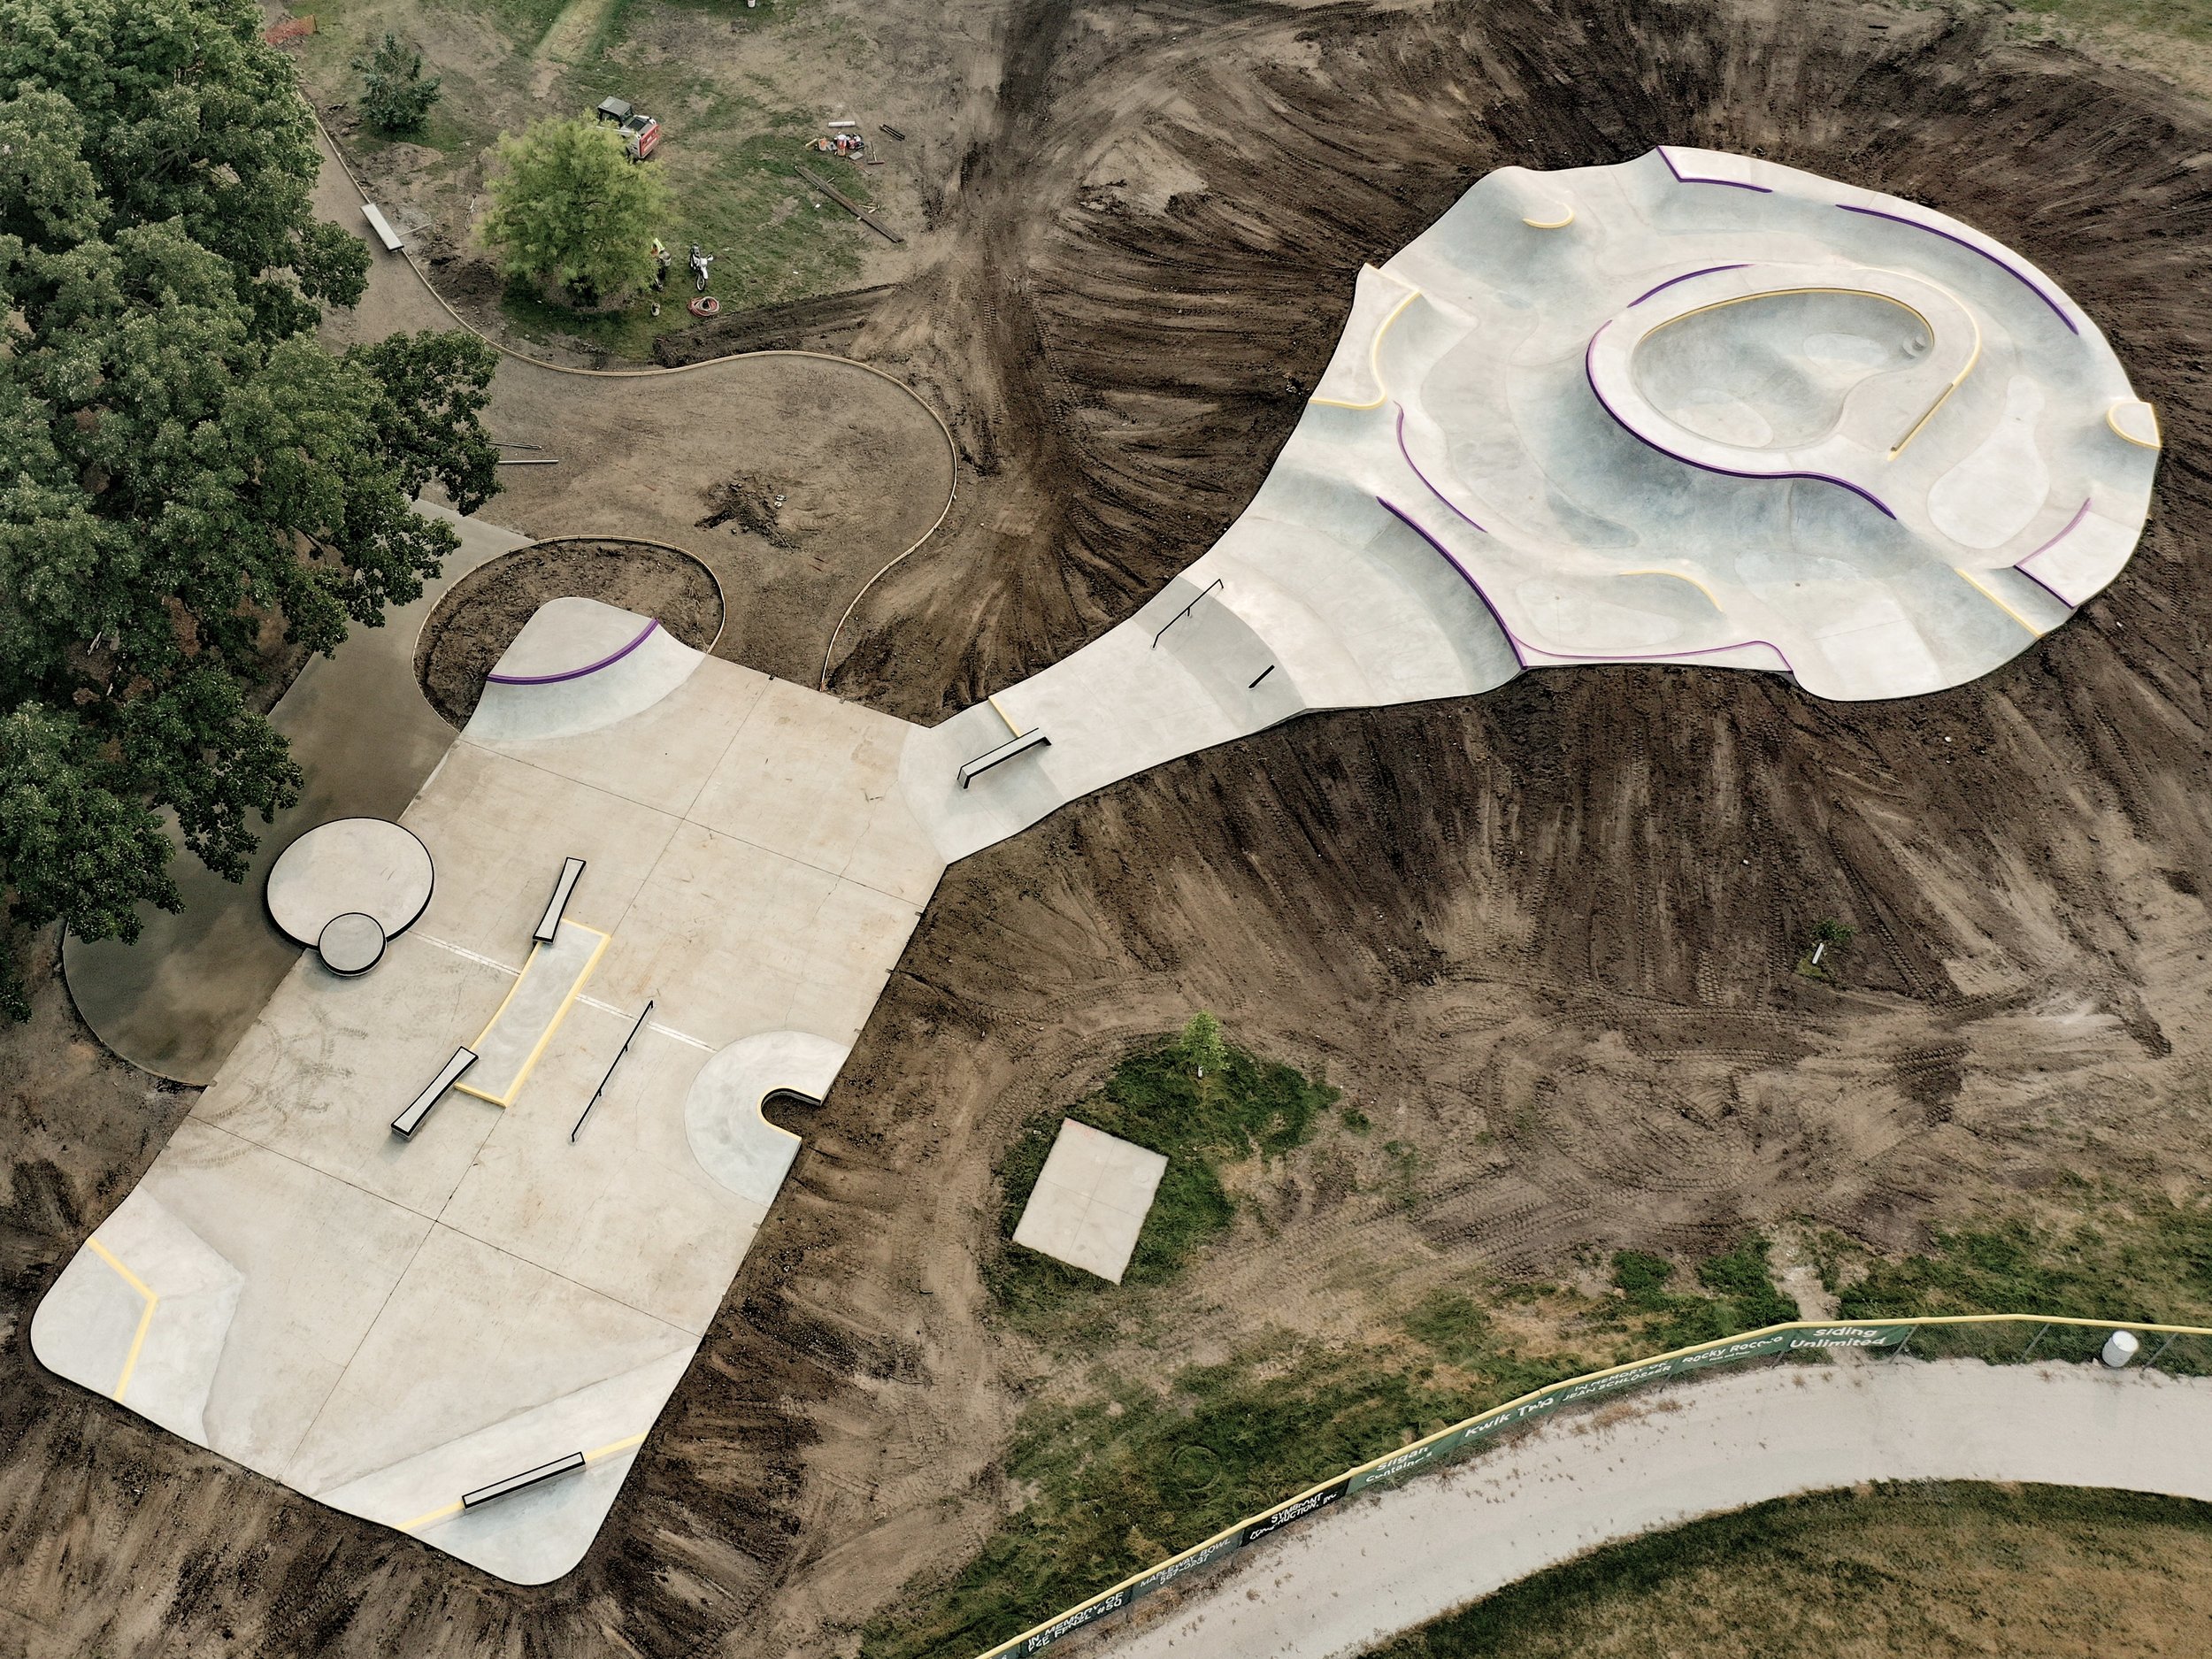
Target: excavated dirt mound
x=481, y=614
x=1544, y=939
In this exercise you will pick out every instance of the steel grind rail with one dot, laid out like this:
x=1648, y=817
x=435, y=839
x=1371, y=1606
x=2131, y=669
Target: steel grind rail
x=1771, y=1341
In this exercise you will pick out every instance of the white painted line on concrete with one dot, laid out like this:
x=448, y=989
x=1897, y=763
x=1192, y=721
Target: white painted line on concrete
x=665, y=1031
x=458, y=950
x=1377, y=1566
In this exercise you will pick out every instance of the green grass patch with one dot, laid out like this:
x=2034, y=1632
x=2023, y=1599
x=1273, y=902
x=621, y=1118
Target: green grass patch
x=1953, y=1567
x=1241, y=1108
x=1744, y=1297
x=728, y=154
x=1127, y=1479
x=2149, y=1262
x=523, y=22
x=2186, y=20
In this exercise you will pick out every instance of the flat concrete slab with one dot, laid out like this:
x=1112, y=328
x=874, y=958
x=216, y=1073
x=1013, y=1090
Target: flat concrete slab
x=1091, y=1200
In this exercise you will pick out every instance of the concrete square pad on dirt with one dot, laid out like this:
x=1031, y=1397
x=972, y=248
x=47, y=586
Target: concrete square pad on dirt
x=1091, y=1200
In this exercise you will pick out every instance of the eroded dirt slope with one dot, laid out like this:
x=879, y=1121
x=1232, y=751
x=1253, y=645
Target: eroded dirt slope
x=1545, y=938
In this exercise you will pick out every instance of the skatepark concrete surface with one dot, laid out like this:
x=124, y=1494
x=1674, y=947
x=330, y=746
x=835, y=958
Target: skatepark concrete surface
x=1849, y=441
x=384, y=1324
x=1360, y=1573
x=176, y=1002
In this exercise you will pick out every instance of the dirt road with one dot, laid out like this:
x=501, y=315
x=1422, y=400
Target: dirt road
x=1544, y=940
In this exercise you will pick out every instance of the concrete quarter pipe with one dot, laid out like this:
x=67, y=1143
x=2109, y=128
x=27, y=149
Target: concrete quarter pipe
x=1693, y=408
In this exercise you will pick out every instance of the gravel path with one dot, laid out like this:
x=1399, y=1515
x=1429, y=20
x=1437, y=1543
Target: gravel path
x=1382, y=1565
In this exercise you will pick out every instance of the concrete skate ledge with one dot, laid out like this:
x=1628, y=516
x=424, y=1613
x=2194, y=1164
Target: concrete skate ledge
x=517, y=1483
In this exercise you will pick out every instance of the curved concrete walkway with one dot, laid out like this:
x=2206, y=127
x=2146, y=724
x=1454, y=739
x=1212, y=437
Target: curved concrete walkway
x=1383, y=1564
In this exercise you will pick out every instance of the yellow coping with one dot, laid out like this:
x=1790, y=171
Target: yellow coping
x=1374, y=357
x=1943, y=396
x=1001, y=712
x=2156, y=441
x=1679, y=576
x=1550, y=224
x=440, y=1514
x=1999, y=603
x=138, y=1337
x=1015, y=1643
x=551, y=1026
x=448, y=1510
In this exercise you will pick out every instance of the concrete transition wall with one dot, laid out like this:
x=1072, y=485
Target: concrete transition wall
x=1693, y=409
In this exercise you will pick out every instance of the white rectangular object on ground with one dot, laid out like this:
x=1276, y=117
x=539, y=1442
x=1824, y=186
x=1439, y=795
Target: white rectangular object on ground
x=382, y=227
x=1091, y=1200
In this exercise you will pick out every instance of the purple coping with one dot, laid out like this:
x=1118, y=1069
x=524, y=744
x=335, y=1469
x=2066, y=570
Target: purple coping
x=572, y=674
x=1520, y=650
x=2005, y=265
x=1681, y=177
x=2021, y=564
x=1740, y=264
x=1424, y=477
x=1590, y=374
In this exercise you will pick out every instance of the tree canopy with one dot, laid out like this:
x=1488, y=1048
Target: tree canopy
x=572, y=209
x=185, y=472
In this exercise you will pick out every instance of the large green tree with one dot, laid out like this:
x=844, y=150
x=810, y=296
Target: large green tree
x=571, y=210
x=183, y=467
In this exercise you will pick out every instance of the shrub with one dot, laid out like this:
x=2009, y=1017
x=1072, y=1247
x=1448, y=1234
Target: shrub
x=395, y=97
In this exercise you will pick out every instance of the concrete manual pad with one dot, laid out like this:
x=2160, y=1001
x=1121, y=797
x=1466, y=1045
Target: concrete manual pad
x=1695, y=409
x=532, y=1012
x=365, y=864
x=1091, y=1200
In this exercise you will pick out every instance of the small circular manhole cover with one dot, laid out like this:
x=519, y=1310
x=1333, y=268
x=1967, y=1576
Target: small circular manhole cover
x=351, y=944
x=1195, y=1468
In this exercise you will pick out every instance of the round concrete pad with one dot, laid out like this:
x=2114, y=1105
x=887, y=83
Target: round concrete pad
x=351, y=944
x=733, y=1143
x=365, y=864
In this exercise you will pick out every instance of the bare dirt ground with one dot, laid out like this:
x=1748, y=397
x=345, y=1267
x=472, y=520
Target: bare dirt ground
x=852, y=470
x=479, y=616
x=1544, y=939
x=863, y=467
